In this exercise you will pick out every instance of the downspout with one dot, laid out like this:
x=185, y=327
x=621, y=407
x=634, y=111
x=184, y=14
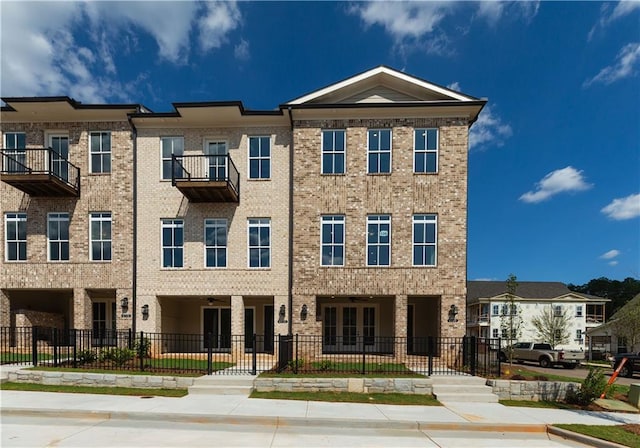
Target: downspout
x=134, y=251
x=291, y=226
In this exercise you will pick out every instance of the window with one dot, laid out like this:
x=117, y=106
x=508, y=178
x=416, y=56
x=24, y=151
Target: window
x=332, y=241
x=557, y=310
x=59, y=143
x=217, y=160
x=259, y=157
x=379, y=151
x=172, y=243
x=58, y=236
x=495, y=333
x=171, y=146
x=15, y=227
x=503, y=333
x=505, y=309
x=215, y=243
x=579, y=311
x=349, y=328
x=495, y=310
x=425, y=152
x=259, y=243
x=100, y=149
x=378, y=240
x=15, y=155
x=100, y=236
x=579, y=334
x=333, y=152
x=424, y=240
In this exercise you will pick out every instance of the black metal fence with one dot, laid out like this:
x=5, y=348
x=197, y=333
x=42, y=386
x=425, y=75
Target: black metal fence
x=40, y=161
x=237, y=354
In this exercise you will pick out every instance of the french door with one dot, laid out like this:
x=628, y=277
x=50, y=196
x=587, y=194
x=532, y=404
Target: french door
x=60, y=145
x=217, y=321
x=345, y=328
x=217, y=160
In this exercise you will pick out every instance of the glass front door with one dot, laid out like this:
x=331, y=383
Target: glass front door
x=217, y=322
x=217, y=160
x=60, y=156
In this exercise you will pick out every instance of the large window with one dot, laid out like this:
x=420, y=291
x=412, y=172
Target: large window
x=172, y=243
x=217, y=160
x=100, y=148
x=332, y=241
x=424, y=240
x=378, y=240
x=215, y=243
x=425, y=153
x=259, y=157
x=15, y=227
x=333, y=152
x=259, y=242
x=171, y=146
x=58, y=236
x=15, y=153
x=349, y=328
x=379, y=151
x=100, y=236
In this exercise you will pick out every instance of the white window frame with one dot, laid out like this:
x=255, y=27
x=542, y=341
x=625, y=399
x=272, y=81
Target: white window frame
x=259, y=157
x=101, y=152
x=101, y=218
x=213, y=158
x=60, y=218
x=377, y=220
x=258, y=223
x=163, y=159
x=380, y=151
x=171, y=223
x=15, y=151
x=495, y=333
x=557, y=310
x=333, y=152
x=16, y=219
x=425, y=151
x=216, y=223
x=340, y=345
x=579, y=311
x=495, y=310
x=424, y=219
x=579, y=334
x=333, y=221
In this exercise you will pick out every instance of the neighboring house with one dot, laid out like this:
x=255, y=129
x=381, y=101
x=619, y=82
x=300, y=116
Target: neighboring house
x=487, y=306
x=66, y=195
x=342, y=213
x=607, y=337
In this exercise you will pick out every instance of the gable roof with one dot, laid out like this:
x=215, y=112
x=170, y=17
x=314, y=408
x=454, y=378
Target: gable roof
x=525, y=290
x=625, y=308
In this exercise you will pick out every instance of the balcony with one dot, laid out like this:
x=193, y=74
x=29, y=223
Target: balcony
x=206, y=178
x=40, y=172
x=481, y=320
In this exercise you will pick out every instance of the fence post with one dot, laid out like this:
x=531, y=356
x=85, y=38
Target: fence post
x=295, y=361
x=254, y=356
x=140, y=354
x=474, y=351
x=364, y=357
x=209, y=353
x=430, y=350
x=34, y=346
x=55, y=347
x=498, y=355
x=130, y=341
x=75, y=348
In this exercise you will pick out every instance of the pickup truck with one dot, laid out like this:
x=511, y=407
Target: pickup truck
x=632, y=364
x=543, y=354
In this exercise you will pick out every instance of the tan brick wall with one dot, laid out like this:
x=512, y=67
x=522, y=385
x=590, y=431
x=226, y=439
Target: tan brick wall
x=400, y=194
x=158, y=199
x=99, y=192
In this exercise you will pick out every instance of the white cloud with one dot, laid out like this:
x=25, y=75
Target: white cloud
x=489, y=129
x=613, y=253
x=607, y=16
x=613, y=263
x=219, y=19
x=623, y=208
x=559, y=181
x=454, y=86
x=625, y=66
x=493, y=11
x=241, y=50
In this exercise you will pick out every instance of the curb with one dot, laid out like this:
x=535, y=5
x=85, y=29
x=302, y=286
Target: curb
x=582, y=438
x=275, y=421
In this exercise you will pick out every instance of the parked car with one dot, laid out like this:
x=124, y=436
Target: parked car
x=632, y=364
x=543, y=354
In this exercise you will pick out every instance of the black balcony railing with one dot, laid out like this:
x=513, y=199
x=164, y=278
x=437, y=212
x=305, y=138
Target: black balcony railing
x=206, y=178
x=40, y=172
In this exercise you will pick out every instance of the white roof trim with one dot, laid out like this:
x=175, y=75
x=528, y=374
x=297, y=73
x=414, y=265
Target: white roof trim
x=378, y=70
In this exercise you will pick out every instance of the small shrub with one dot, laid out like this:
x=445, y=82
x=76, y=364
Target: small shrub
x=142, y=347
x=87, y=356
x=592, y=387
x=517, y=377
x=296, y=364
x=325, y=365
x=119, y=356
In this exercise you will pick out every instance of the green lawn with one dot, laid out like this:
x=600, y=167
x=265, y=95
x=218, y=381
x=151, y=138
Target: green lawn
x=113, y=372
x=617, y=434
x=332, y=369
x=190, y=364
x=94, y=390
x=8, y=357
x=351, y=397
x=536, y=404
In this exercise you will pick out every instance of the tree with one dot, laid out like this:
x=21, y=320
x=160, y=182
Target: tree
x=511, y=315
x=627, y=323
x=620, y=292
x=552, y=326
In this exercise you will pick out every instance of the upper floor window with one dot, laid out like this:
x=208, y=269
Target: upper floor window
x=425, y=153
x=579, y=311
x=495, y=310
x=58, y=236
x=100, y=236
x=378, y=240
x=494, y=333
x=333, y=152
x=332, y=241
x=171, y=146
x=15, y=228
x=100, y=149
x=217, y=160
x=424, y=240
x=215, y=243
x=259, y=230
x=259, y=157
x=172, y=243
x=557, y=310
x=379, y=151
x=15, y=154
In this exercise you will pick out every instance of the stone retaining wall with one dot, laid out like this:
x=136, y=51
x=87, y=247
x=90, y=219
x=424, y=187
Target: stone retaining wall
x=532, y=390
x=100, y=379
x=417, y=386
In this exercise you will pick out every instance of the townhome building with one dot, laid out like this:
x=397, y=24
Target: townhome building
x=66, y=195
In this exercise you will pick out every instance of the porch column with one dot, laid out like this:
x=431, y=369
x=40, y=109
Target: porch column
x=401, y=327
x=5, y=309
x=124, y=317
x=237, y=326
x=82, y=312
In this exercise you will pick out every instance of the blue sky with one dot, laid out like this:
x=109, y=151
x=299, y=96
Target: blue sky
x=554, y=165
